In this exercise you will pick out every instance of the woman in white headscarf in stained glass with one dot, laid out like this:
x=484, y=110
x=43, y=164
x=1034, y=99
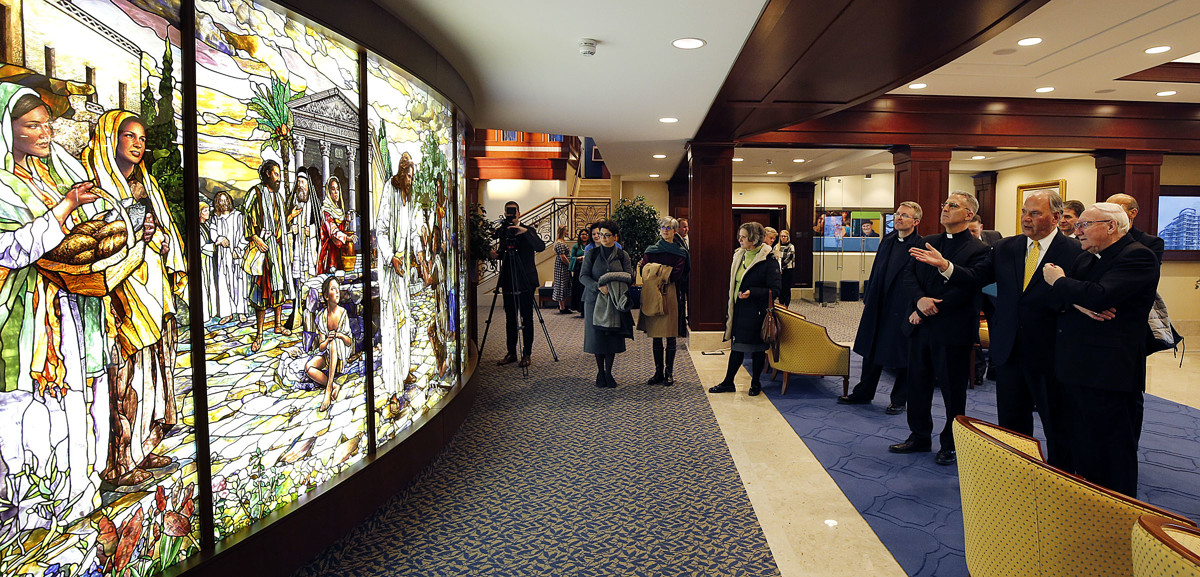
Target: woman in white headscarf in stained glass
x=141, y=310
x=51, y=341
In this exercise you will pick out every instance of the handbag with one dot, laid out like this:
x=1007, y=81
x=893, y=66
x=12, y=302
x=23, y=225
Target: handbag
x=1162, y=334
x=771, y=326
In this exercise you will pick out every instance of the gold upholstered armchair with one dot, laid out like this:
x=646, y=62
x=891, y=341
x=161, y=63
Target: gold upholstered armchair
x=1024, y=517
x=1164, y=547
x=806, y=349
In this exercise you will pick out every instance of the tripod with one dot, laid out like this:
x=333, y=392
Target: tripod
x=515, y=272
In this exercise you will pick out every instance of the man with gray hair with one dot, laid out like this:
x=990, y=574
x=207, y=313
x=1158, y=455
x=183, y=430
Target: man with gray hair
x=1023, y=324
x=943, y=323
x=1100, y=357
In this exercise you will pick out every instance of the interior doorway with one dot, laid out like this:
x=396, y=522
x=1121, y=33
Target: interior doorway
x=772, y=215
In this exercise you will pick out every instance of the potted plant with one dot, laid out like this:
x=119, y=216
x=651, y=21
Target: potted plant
x=638, y=221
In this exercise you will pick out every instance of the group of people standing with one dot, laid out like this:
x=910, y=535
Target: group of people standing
x=1068, y=331
x=593, y=276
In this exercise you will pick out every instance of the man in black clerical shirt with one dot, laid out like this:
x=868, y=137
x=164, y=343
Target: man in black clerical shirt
x=1023, y=323
x=881, y=339
x=944, y=323
x=1100, y=356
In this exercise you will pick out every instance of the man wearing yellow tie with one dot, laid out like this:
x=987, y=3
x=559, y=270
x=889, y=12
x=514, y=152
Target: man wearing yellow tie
x=1022, y=329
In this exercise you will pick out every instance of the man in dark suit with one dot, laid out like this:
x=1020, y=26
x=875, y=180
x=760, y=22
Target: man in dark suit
x=519, y=280
x=943, y=324
x=881, y=338
x=1071, y=211
x=989, y=237
x=1023, y=324
x=1130, y=206
x=1101, y=352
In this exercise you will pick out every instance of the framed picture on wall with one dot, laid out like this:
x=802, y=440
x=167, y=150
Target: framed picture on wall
x=1024, y=190
x=1179, y=221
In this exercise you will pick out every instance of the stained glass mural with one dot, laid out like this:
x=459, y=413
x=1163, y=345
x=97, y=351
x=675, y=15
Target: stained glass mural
x=278, y=138
x=460, y=246
x=97, y=451
x=411, y=152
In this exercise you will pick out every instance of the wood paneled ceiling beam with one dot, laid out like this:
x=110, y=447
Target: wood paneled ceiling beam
x=995, y=123
x=810, y=58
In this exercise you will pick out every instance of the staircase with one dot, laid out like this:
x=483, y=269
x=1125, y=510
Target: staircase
x=595, y=187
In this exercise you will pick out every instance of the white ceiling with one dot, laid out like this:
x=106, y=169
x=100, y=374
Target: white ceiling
x=521, y=60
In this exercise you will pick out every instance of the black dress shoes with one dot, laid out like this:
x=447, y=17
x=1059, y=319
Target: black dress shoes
x=894, y=409
x=600, y=380
x=853, y=400
x=755, y=389
x=668, y=380
x=657, y=379
x=946, y=457
x=910, y=446
x=609, y=381
x=721, y=388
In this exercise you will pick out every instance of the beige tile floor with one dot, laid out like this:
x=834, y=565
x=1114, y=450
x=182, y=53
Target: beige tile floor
x=810, y=525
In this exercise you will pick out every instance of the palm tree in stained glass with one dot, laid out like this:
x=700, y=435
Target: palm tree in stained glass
x=270, y=105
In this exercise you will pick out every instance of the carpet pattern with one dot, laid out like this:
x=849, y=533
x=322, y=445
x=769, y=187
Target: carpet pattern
x=550, y=475
x=913, y=504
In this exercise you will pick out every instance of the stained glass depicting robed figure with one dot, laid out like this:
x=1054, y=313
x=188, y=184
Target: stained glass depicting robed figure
x=97, y=456
x=278, y=141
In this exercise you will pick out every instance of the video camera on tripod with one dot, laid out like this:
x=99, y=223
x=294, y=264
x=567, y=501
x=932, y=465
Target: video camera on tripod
x=508, y=240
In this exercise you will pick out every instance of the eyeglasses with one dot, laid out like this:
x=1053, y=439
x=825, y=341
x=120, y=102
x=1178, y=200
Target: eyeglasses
x=1082, y=224
x=666, y=228
x=951, y=205
x=604, y=235
x=899, y=215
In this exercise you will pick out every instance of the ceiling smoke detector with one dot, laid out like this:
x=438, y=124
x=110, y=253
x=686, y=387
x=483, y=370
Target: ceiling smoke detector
x=587, y=46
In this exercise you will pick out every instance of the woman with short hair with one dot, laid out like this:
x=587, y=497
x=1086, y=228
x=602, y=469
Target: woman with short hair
x=664, y=266
x=754, y=276
x=604, y=270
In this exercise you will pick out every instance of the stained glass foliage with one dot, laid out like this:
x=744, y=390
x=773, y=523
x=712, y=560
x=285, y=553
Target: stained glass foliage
x=278, y=139
x=460, y=245
x=412, y=184
x=97, y=451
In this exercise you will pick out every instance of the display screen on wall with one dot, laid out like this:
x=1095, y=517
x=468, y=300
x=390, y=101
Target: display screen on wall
x=412, y=184
x=1179, y=222
x=277, y=125
x=97, y=452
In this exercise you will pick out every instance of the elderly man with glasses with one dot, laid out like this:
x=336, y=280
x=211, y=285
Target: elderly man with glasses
x=881, y=338
x=943, y=325
x=1023, y=324
x=1105, y=297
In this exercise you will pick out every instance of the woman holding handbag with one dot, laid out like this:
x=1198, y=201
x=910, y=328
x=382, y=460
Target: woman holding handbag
x=753, y=282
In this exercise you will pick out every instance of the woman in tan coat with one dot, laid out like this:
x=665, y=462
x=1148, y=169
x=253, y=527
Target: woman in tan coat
x=664, y=267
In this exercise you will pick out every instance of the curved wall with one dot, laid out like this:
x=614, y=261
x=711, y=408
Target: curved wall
x=234, y=286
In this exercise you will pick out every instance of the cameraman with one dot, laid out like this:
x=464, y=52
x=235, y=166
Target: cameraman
x=520, y=244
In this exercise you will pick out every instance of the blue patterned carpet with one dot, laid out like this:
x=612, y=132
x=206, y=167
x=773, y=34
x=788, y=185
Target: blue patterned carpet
x=913, y=504
x=552, y=476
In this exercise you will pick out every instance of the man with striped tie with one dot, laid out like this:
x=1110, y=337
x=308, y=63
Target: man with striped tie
x=1022, y=329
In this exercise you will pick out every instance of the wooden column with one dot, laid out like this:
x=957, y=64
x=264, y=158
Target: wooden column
x=677, y=191
x=985, y=191
x=922, y=176
x=800, y=226
x=1133, y=172
x=710, y=213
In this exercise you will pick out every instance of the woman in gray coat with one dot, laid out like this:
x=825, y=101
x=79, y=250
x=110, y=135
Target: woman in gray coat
x=602, y=270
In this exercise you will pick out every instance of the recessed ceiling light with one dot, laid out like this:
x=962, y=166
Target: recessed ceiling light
x=1166, y=93
x=797, y=160
x=918, y=85
x=978, y=157
x=668, y=120
x=660, y=156
x=1031, y=41
x=738, y=159
x=772, y=172
x=688, y=43
x=1045, y=89
x=1158, y=49
x=654, y=176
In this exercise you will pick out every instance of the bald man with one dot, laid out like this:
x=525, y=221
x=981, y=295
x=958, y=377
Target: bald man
x=1130, y=206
